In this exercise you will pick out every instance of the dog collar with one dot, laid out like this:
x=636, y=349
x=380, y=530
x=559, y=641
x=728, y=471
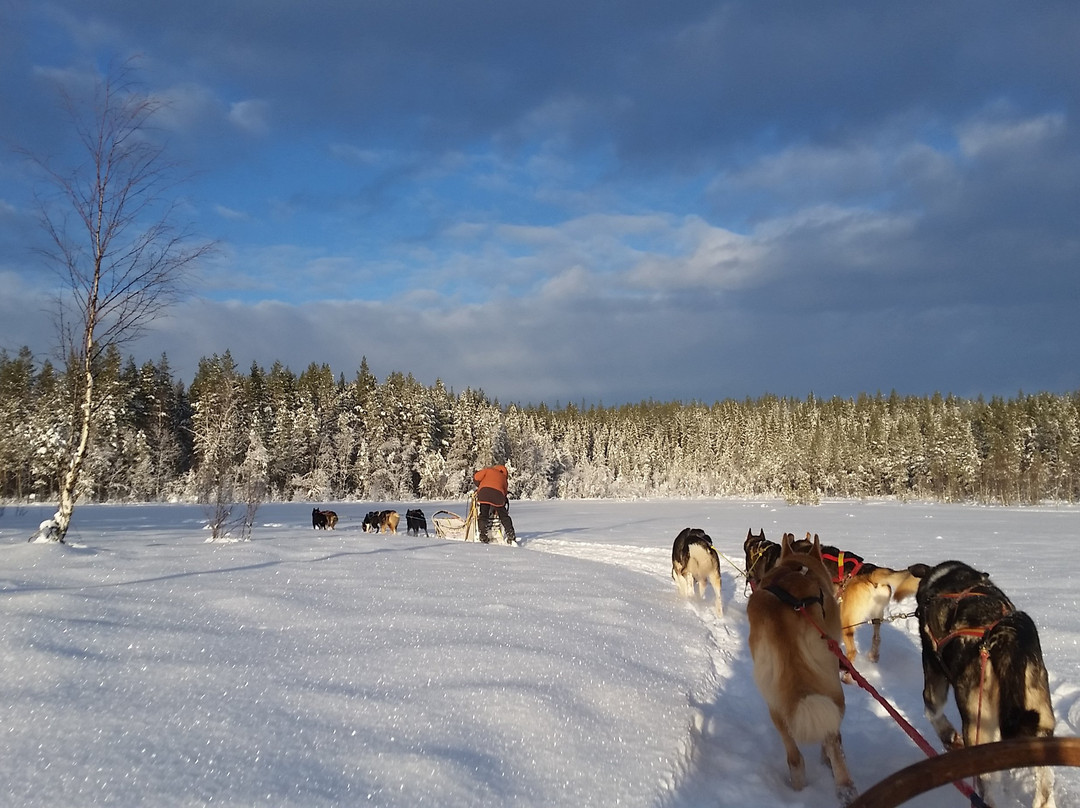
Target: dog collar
x=796, y=603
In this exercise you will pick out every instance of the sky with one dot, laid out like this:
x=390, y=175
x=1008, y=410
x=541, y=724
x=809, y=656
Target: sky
x=144, y=665
x=596, y=201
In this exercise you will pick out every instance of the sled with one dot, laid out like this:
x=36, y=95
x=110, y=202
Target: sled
x=959, y=764
x=448, y=525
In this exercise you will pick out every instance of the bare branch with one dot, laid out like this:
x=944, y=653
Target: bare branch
x=109, y=218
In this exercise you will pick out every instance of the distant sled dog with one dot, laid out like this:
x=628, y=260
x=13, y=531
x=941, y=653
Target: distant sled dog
x=415, y=521
x=323, y=520
x=975, y=640
x=381, y=522
x=694, y=561
x=792, y=615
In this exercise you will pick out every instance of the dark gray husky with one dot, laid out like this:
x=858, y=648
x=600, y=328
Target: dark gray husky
x=975, y=640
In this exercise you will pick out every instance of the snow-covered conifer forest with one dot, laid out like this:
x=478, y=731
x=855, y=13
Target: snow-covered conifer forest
x=320, y=437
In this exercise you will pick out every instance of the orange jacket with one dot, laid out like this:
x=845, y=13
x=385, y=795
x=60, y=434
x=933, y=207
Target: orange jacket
x=492, y=485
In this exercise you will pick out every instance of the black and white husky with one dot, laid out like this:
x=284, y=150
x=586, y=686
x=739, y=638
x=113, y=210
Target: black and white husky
x=975, y=640
x=694, y=560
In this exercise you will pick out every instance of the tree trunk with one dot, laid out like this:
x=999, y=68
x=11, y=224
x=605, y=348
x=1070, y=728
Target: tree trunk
x=68, y=493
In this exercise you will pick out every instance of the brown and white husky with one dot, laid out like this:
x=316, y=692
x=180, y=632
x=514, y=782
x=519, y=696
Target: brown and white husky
x=793, y=614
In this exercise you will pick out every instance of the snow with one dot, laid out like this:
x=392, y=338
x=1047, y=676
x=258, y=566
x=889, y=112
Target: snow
x=143, y=665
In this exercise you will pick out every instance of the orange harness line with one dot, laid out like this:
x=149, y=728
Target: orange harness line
x=968, y=631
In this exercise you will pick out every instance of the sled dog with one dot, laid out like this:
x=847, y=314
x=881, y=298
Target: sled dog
x=761, y=556
x=863, y=590
x=694, y=561
x=415, y=521
x=975, y=640
x=792, y=615
x=323, y=520
x=381, y=522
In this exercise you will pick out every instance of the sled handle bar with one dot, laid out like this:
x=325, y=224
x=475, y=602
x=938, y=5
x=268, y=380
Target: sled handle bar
x=958, y=764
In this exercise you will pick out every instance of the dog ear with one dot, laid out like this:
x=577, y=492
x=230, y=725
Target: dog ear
x=786, y=544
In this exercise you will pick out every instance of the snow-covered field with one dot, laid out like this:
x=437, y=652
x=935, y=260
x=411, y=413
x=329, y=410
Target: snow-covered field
x=143, y=666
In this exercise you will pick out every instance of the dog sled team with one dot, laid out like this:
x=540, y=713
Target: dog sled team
x=489, y=514
x=806, y=598
x=375, y=521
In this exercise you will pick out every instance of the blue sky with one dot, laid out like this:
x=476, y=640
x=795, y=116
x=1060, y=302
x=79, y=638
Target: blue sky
x=594, y=201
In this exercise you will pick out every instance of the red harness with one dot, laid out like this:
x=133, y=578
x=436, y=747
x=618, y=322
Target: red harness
x=842, y=562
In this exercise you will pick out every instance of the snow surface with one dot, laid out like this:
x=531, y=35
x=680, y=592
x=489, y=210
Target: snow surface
x=143, y=665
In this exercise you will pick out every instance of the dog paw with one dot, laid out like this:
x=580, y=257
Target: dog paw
x=847, y=793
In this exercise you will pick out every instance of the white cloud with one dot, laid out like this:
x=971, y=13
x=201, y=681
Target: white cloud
x=187, y=107
x=251, y=116
x=711, y=258
x=986, y=136
x=818, y=169
x=229, y=213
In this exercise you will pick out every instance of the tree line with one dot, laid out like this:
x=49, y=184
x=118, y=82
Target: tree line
x=272, y=434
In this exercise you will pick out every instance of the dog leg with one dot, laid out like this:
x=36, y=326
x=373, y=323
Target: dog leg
x=718, y=604
x=882, y=594
x=1044, y=775
x=1044, y=788
x=796, y=765
x=680, y=580
x=875, y=643
x=850, y=650
x=832, y=751
x=935, y=691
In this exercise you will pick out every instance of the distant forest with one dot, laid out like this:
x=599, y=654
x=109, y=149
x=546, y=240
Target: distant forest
x=320, y=438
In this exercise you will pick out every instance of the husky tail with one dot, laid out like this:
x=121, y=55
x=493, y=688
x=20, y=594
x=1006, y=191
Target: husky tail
x=1016, y=656
x=902, y=582
x=814, y=718
x=1024, y=697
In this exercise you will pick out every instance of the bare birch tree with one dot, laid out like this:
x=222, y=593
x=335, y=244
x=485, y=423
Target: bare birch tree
x=110, y=218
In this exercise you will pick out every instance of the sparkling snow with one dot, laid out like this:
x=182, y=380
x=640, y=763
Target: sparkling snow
x=142, y=665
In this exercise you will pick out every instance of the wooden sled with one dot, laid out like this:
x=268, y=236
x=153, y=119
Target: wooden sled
x=448, y=525
x=960, y=764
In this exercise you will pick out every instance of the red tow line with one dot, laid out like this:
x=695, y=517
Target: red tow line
x=905, y=725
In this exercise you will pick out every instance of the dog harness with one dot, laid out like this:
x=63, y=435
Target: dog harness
x=843, y=560
x=968, y=631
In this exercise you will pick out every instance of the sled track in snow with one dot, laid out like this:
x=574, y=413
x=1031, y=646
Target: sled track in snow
x=729, y=722
x=730, y=725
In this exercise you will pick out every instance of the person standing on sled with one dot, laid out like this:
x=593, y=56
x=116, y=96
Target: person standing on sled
x=491, y=484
